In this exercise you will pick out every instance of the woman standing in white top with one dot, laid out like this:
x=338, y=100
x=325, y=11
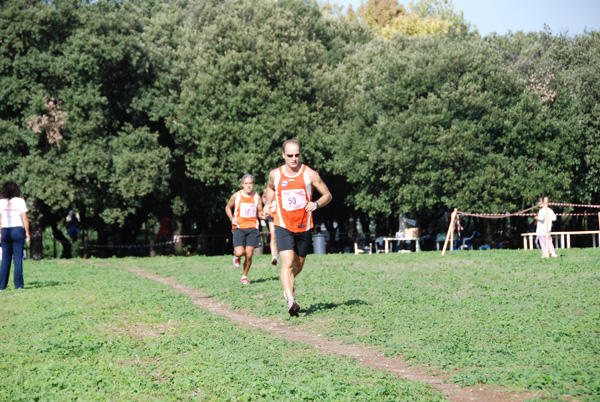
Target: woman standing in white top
x=15, y=230
x=544, y=228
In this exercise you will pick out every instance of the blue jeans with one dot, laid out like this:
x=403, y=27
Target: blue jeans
x=13, y=240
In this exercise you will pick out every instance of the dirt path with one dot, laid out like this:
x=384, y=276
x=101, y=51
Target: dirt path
x=363, y=354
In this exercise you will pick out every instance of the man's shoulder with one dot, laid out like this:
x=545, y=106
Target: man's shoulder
x=274, y=171
x=313, y=174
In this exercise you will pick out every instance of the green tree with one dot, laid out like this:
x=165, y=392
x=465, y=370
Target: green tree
x=435, y=123
x=250, y=77
x=109, y=164
x=559, y=70
x=125, y=109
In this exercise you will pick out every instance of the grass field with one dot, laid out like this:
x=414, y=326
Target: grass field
x=89, y=330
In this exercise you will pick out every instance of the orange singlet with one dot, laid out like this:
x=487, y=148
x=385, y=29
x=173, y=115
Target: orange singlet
x=245, y=210
x=292, y=193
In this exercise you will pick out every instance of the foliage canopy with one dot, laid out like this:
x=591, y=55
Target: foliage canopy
x=130, y=109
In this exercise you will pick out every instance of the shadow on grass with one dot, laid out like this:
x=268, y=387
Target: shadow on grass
x=42, y=284
x=314, y=308
x=261, y=280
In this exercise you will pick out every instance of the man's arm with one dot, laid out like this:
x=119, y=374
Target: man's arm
x=229, y=210
x=260, y=208
x=322, y=188
x=269, y=194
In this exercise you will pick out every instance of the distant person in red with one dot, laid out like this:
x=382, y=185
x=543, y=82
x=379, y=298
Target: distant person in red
x=14, y=233
x=164, y=230
x=243, y=210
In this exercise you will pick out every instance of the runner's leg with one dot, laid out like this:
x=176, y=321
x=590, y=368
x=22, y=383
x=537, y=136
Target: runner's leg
x=248, y=260
x=287, y=272
x=298, y=264
x=273, y=241
x=238, y=251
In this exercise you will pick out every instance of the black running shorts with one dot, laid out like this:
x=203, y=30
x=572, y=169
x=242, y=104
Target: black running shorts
x=246, y=238
x=287, y=240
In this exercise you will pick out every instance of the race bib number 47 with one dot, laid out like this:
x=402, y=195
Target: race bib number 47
x=293, y=199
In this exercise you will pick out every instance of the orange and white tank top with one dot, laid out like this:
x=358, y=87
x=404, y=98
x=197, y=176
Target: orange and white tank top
x=246, y=208
x=292, y=193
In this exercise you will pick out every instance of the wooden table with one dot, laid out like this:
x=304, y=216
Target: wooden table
x=565, y=238
x=387, y=240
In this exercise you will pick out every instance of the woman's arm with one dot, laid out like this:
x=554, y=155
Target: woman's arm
x=26, y=225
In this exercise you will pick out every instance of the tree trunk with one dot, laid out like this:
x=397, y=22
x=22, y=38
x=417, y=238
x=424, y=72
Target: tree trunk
x=36, y=247
x=59, y=236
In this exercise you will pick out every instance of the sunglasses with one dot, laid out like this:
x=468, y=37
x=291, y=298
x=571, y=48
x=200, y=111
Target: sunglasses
x=292, y=155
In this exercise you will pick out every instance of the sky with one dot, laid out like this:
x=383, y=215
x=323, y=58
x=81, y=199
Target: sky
x=500, y=16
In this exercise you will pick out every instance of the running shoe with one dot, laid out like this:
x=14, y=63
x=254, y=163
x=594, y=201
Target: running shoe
x=293, y=307
x=275, y=260
x=236, y=261
x=245, y=281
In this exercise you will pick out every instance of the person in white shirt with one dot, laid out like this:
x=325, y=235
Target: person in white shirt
x=14, y=232
x=544, y=234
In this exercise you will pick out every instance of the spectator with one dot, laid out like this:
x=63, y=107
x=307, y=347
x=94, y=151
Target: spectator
x=544, y=228
x=14, y=233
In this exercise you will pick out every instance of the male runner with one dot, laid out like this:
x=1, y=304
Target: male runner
x=291, y=186
x=243, y=209
x=272, y=242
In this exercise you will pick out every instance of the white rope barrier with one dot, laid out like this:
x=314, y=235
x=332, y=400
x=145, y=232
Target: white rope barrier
x=559, y=204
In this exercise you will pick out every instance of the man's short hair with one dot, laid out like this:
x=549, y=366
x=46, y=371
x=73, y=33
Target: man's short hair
x=292, y=141
x=246, y=176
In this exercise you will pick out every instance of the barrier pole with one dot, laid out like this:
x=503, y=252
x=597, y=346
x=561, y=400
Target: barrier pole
x=547, y=231
x=451, y=229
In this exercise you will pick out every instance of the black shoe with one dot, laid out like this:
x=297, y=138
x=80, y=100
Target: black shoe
x=293, y=307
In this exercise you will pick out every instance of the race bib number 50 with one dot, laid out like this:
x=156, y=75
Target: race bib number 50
x=293, y=199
